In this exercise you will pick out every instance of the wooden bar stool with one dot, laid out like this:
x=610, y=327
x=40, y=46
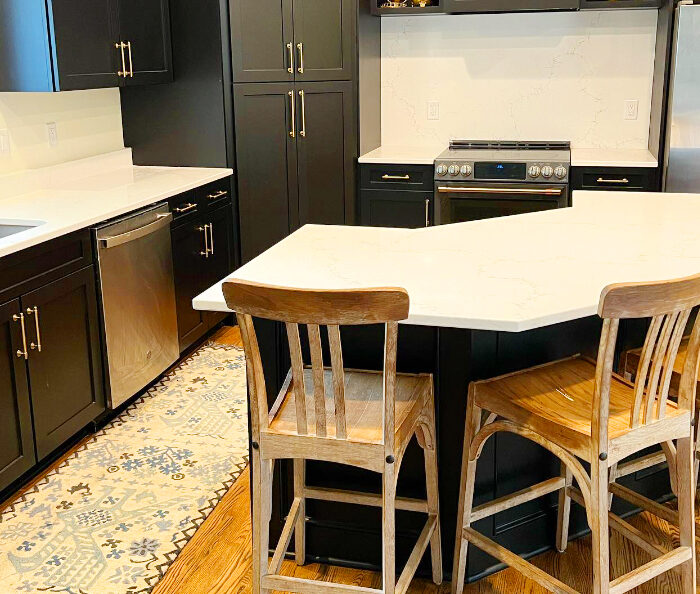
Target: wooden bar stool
x=579, y=410
x=360, y=418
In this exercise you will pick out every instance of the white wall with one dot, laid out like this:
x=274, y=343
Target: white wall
x=536, y=76
x=88, y=123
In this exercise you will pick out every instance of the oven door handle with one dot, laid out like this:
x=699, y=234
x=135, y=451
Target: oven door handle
x=526, y=191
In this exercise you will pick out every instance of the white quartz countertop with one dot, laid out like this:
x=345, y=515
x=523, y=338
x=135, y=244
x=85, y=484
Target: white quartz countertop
x=511, y=274
x=580, y=157
x=76, y=195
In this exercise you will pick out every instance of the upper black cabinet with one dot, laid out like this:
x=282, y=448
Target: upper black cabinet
x=288, y=40
x=62, y=45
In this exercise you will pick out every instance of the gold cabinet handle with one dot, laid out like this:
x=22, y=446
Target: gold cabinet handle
x=187, y=208
x=303, y=114
x=205, y=253
x=602, y=180
x=131, y=61
x=23, y=352
x=300, y=47
x=122, y=46
x=389, y=176
x=293, y=131
x=290, y=49
x=219, y=194
x=211, y=238
x=35, y=310
x=427, y=212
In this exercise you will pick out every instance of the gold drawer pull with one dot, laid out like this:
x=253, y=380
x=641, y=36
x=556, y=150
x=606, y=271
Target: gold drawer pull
x=624, y=180
x=388, y=176
x=187, y=208
x=219, y=194
x=22, y=353
x=35, y=310
x=290, y=48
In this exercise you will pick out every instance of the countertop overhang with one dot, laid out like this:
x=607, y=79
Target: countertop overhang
x=507, y=274
x=82, y=193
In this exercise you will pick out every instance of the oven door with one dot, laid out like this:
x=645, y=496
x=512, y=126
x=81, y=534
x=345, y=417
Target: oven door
x=460, y=202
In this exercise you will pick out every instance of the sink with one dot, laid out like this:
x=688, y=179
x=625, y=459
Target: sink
x=12, y=227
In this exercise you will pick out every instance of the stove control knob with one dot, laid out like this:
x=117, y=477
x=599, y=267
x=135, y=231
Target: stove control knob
x=453, y=170
x=534, y=171
x=441, y=169
x=547, y=171
x=560, y=172
x=466, y=170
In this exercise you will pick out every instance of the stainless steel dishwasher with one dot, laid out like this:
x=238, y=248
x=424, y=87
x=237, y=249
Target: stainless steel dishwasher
x=135, y=269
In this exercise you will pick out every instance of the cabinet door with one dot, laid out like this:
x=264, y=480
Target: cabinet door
x=326, y=150
x=220, y=263
x=144, y=25
x=267, y=164
x=85, y=34
x=65, y=365
x=393, y=208
x=324, y=31
x=262, y=40
x=16, y=435
x=189, y=267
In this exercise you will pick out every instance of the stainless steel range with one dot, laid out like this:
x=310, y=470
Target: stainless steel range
x=481, y=179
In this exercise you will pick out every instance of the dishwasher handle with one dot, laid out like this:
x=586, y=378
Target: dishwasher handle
x=162, y=220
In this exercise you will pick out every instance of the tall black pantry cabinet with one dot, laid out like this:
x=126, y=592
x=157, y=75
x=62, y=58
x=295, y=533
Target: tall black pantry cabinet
x=306, y=93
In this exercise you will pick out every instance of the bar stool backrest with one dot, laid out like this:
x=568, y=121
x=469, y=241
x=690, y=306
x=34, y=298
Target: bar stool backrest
x=669, y=305
x=316, y=308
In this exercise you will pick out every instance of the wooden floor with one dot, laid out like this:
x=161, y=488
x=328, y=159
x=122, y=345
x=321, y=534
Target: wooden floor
x=218, y=558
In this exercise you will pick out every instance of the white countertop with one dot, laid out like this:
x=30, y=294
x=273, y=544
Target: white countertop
x=511, y=274
x=580, y=157
x=76, y=195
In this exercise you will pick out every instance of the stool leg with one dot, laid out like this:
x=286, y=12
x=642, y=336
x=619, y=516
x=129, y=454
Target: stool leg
x=600, y=530
x=685, y=461
x=564, y=510
x=466, y=497
x=262, y=508
x=431, y=479
x=389, y=528
x=300, y=528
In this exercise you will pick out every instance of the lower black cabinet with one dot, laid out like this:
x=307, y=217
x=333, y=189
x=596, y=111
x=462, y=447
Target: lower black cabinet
x=396, y=208
x=64, y=358
x=638, y=179
x=16, y=433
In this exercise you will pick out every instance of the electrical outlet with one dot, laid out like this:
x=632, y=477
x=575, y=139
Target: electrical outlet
x=631, y=109
x=433, y=110
x=4, y=142
x=53, y=133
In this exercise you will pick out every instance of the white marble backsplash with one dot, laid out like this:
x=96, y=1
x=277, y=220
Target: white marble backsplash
x=519, y=76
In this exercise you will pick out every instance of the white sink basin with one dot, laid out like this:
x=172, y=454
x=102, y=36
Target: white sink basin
x=12, y=226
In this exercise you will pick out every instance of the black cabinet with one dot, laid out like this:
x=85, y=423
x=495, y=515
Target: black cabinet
x=295, y=147
x=65, y=45
x=64, y=358
x=202, y=255
x=287, y=40
x=637, y=179
x=16, y=433
x=396, y=195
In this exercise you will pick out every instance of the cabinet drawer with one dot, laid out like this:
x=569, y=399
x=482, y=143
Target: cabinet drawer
x=615, y=178
x=214, y=194
x=185, y=206
x=407, y=177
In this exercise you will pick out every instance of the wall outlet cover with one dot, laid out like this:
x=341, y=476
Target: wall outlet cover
x=4, y=142
x=631, y=109
x=433, y=110
x=53, y=133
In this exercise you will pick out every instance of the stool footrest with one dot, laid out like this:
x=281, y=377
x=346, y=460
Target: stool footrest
x=663, y=512
x=359, y=498
x=514, y=499
x=304, y=586
x=650, y=570
x=416, y=555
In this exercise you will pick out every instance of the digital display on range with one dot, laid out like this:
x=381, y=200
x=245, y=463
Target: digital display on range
x=495, y=170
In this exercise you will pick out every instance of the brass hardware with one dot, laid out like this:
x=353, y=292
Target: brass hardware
x=300, y=47
x=211, y=238
x=218, y=194
x=290, y=48
x=458, y=190
x=388, y=176
x=624, y=180
x=293, y=131
x=205, y=253
x=122, y=46
x=303, y=114
x=35, y=310
x=131, y=62
x=187, y=208
x=427, y=212
x=22, y=353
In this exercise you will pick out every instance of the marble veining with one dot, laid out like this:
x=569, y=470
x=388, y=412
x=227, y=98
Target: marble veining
x=511, y=274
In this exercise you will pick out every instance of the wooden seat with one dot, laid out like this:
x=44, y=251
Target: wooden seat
x=354, y=417
x=580, y=410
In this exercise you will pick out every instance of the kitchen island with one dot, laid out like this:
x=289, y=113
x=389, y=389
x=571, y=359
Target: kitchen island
x=487, y=297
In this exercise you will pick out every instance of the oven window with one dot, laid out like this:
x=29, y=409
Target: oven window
x=459, y=210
